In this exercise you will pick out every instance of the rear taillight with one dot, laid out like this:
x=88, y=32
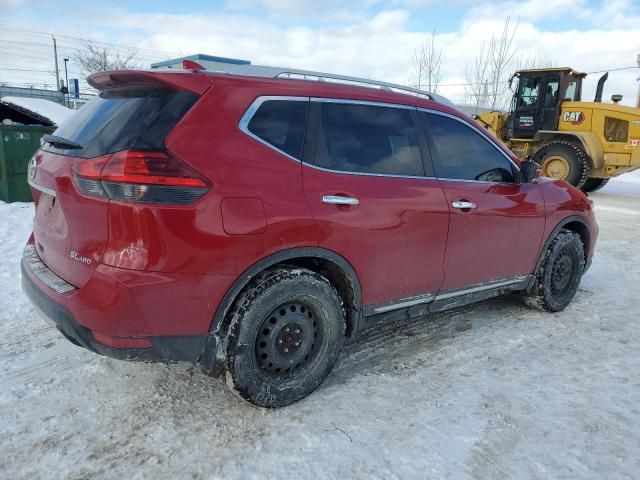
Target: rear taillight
x=137, y=176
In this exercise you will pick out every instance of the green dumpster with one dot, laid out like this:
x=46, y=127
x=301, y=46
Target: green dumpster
x=18, y=143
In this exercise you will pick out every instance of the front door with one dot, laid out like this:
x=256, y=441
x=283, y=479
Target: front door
x=526, y=121
x=496, y=223
x=364, y=181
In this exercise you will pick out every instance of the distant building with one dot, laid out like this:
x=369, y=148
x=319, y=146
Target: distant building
x=210, y=62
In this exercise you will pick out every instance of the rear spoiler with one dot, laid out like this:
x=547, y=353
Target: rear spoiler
x=167, y=79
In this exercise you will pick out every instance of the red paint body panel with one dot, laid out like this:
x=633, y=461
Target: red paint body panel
x=562, y=200
x=499, y=239
x=243, y=216
x=395, y=239
x=128, y=303
x=159, y=270
x=68, y=222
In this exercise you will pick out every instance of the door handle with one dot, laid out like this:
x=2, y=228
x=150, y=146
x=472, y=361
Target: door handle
x=464, y=205
x=340, y=200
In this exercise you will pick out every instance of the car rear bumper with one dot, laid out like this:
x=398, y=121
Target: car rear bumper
x=123, y=338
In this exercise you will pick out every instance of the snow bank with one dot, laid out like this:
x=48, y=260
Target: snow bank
x=490, y=391
x=55, y=112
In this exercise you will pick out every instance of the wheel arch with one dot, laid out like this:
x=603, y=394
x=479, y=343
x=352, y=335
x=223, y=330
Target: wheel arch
x=320, y=260
x=576, y=224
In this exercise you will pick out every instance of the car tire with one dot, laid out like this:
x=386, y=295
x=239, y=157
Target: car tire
x=593, y=184
x=559, y=274
x=285, y=334
x=573, y=161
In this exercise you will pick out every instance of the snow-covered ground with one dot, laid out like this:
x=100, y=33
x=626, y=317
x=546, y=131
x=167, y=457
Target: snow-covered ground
x=491, y=391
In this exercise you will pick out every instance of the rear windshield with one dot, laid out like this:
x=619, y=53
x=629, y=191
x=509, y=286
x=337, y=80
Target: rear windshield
x=123, y=118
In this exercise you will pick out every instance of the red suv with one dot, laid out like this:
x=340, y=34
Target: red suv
x=253, y=225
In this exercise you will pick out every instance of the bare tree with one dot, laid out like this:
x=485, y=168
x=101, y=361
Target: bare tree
x=487, y=76
x=425, y=71
x=535, y=61
x=93, y=58
x=477, y=78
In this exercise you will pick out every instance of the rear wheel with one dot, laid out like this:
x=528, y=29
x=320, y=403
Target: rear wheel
x=564, y=161
x=559, y=275
x=593, y=184
x=285, y=334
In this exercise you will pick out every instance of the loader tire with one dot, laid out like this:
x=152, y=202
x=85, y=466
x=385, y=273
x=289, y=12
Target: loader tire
x=565, y=161
x=593, y=184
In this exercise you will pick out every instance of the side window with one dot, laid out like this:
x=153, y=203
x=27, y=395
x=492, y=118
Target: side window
x=281, y=123
x=367, y=139
x=571, y=91
x=551, y=95
x=529, y=91
x=464, y=154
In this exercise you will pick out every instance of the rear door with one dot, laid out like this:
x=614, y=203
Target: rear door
x=71, y=228
x=364, y=180
x=496, y=223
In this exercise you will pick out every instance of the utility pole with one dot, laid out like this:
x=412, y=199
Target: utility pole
x=55, y=56
x=66, y=76
x=638, y=99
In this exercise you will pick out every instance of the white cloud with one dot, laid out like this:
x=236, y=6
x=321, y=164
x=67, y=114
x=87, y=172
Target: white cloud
x=380, y=46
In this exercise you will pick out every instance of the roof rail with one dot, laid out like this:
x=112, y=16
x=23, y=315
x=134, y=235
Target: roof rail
x=358, y=81
x=293, y=73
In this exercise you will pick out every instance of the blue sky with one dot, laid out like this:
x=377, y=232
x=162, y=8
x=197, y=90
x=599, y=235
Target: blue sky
x=361, y=37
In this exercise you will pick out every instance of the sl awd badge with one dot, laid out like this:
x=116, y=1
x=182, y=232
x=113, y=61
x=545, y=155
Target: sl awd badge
x=79, y=258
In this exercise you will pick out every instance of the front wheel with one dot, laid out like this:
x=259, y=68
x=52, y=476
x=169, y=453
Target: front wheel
x=286, y=332
x=559, y=274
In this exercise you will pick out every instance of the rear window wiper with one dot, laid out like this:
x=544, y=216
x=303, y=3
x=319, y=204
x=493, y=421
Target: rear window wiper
x=60, y=142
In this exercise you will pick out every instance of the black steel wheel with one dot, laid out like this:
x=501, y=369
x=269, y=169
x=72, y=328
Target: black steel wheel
x=563, y=271
x=559, y=274
x=287, y=339
x=285, y=334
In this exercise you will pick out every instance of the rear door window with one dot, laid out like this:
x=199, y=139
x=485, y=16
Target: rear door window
x=281, y=124
x=463, y=153
x=367, y=139
x=124, y=118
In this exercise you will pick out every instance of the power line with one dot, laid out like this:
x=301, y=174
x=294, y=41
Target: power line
x=48, y=34
x=614, y=69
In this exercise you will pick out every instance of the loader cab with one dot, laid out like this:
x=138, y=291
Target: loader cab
x=538, y=94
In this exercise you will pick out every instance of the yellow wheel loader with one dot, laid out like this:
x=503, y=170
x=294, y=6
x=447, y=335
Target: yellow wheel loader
x=585, y=143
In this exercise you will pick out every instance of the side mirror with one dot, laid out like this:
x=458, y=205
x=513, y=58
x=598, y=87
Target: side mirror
x=530, y=171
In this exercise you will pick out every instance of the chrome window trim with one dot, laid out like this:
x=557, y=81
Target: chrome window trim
x=386, y=175
x=367, y=103
x=243, y=124
x=46, y=190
